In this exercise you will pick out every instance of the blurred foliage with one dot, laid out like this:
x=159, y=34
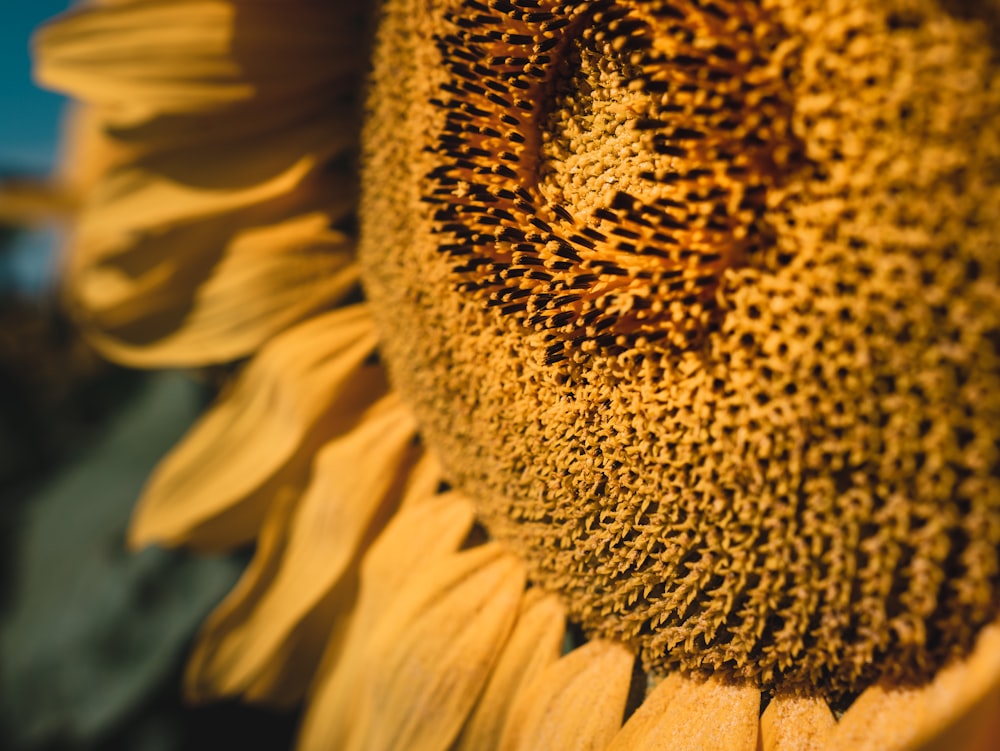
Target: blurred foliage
x=91, y=629
x=93, y=638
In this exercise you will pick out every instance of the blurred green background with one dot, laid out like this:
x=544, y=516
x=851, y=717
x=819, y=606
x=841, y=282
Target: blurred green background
x=92, y=638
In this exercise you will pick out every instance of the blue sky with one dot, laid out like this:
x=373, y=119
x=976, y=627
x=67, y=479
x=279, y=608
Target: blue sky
x=29, y=131
x=29, y=117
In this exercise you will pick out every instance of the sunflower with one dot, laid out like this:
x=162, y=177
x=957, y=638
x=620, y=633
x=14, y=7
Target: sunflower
x=613, y=374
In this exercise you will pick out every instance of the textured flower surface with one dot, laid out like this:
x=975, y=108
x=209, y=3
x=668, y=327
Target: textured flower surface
x=643, y=392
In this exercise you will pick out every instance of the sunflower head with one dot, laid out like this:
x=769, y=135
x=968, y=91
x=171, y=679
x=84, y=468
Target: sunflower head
x=701, y=301
x=694, y=305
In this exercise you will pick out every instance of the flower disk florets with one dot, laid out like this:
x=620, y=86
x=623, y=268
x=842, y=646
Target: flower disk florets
x=701, y=302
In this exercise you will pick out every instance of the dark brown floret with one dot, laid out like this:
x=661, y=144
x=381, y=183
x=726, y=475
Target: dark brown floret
x=702, y=125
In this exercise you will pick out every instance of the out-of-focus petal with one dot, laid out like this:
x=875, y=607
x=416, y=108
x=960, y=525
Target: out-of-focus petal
x=425, y=480
x=217, y=106
x=151, y=261
x=358, y=480
x=166, y=55
x=684, y=714
x=193, y=56
x=535, y=644
x=944, y=714
x=978, y=729
x=307, y=386
x=577, y=702
x=29, y=202
x=418, y=536
x=180, y=186
x=267, y=279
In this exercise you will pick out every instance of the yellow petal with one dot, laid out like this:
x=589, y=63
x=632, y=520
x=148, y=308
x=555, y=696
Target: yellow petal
x=414, y=540
x=168, y=55
x=151, y=57
x=535, y=644
x=195, y=258
x=167, y=268
x=795, y=723
x=575, y=703
x=646, y=719
x=431, y=653
x=304, y=388
x=939, y=714
x=27, y=202
x=178, y=187
x=358, y=482
x=267, y=279
x=978, y=729
x=685, y=714
x=86, y=152
x=425, y=480
x=418, y=535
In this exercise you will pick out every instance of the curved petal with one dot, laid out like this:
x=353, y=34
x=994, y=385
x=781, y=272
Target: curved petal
x=431, y=653
x=938, y=714
x=194, y=56
x=976, y=730
x=575, y=703
x=425, y=480
x=179, y=186
x=267, y=279
x=535, y=643
x=85, y=150
x=215, y=104
x=26, y=202
x=417, y=537
x=171, y=55
x=795, y=723
x=165, y=238
x=358, y=480
x=304, y=388
x=683, y=714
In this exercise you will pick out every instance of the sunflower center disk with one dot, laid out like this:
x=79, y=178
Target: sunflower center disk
x=609, y=164
x=732, y=446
